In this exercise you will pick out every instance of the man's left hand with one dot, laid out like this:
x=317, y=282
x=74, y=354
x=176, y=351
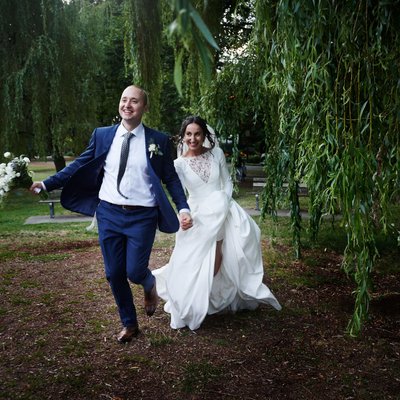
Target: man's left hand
x=185, y=220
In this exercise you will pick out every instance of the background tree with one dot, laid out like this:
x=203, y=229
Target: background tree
x=143, y=50
x=51, y=57
x=322, y=80
x=334, y=69
x=64, y=65
x=112, y=71
x=29, y=34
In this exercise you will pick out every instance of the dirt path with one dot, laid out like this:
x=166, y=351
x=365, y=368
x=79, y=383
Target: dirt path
x=58, y=325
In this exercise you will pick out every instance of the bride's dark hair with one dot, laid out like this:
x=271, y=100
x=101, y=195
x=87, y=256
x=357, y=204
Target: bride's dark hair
x=195, y=119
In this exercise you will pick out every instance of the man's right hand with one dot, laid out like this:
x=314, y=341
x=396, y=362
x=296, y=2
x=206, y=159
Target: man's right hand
x=36, y=187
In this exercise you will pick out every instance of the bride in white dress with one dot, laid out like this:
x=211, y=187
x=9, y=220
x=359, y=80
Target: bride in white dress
x=216, y=265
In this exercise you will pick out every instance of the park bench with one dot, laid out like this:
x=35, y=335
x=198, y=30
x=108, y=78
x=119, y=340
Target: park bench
x=54, y=197
x=302, y=190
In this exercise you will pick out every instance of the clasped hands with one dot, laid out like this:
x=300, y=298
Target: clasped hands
x=185, y=220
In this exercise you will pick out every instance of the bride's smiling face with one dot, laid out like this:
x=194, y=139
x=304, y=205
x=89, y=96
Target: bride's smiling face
x=194, y=137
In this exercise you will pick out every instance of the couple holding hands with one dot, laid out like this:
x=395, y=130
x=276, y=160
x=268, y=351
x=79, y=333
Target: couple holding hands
x=216, y=264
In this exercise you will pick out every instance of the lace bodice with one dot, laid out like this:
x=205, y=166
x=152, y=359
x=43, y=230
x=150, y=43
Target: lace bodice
x=204, y=174
x=201, y=165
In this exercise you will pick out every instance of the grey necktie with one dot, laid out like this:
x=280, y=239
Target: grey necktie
x=123, y=159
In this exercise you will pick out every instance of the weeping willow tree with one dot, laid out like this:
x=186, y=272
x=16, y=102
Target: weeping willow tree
x=334, y=70
x=143, y=39
x=235, y=103
x=209, y=82
x=30, y=50
x=149, y=29
x=236, y=108
x=47, y=69
x=192, y=35
x=322, y=78
x=60, y=61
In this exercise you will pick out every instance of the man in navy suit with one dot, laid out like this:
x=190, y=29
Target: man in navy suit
x=129, y=201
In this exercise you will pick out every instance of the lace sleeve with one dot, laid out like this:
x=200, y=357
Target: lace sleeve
x=225, y=176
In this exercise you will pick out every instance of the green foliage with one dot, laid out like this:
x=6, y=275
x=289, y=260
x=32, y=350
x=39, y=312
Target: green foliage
x=64, y=65
x=35, y=53
x=171, y=104
x=194, y=35
x=143, y=50
x=334, y=70
x=48, y=103
x=187, y=39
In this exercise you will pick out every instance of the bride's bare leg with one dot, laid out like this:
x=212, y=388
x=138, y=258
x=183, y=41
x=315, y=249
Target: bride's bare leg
x=218, y=257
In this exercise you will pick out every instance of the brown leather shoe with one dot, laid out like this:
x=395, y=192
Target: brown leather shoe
x=128, y=333
x=151, y=301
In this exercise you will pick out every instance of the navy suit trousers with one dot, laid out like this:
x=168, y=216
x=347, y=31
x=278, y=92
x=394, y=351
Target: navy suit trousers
x=126, y=238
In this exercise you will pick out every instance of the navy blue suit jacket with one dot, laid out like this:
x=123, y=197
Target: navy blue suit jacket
x=81, y=180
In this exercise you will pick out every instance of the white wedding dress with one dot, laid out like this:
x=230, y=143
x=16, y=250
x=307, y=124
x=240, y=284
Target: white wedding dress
x=187, y=283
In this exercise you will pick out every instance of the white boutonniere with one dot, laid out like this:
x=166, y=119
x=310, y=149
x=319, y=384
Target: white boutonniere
x=154, y=149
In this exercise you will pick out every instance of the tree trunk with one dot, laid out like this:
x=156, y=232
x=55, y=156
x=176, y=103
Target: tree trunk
x=59, y=161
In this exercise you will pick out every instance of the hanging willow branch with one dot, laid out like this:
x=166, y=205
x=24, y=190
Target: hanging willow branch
x=194, y=36
x=334, y=68
x=42, y=62
x=143, y=50
x=49, y=64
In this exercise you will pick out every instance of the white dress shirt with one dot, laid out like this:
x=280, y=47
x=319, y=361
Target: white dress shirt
x=135, y=183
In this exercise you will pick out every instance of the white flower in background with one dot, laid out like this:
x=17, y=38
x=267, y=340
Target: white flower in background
x=14, y=174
